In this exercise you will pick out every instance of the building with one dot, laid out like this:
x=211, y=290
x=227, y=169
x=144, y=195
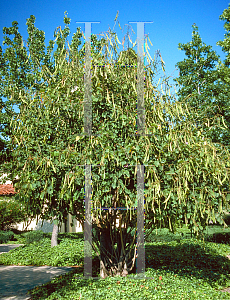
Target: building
x=7, y=193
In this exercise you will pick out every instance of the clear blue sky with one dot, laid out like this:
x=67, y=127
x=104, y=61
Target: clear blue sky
x=172, y=21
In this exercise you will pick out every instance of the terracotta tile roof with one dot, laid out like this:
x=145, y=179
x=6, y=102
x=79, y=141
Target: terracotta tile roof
x=7, y=189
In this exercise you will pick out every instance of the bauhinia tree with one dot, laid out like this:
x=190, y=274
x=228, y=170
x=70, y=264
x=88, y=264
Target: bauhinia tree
x=184, y=171
x=28, y=69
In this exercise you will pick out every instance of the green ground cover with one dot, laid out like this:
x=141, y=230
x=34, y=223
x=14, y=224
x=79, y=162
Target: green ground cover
x=180, y=267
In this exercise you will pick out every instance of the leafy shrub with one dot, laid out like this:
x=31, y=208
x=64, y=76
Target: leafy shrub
x=11, y=213
x=33, y=236
x=6, y=236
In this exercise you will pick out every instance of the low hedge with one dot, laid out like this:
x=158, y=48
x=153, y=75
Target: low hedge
x=33, y=236
x=6, y=236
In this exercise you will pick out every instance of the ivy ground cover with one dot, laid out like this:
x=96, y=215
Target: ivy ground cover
x=180, y=267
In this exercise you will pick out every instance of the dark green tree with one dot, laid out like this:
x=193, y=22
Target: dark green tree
x=198, y=79
x=203, y=85
x=21, y=65
x=224, y=78
x=204, y=80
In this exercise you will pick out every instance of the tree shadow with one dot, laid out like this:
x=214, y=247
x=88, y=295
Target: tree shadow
x=187, y=258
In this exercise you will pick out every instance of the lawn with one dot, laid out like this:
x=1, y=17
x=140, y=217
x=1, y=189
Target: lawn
x=180, y=267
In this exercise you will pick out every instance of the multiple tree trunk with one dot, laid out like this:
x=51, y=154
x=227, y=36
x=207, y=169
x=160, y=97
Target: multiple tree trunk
x=115, y=244
x=115, y=258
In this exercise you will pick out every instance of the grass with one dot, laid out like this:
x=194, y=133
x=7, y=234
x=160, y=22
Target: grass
x=181, y=267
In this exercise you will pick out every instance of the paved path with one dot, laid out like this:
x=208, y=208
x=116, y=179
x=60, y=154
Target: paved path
x=8, y=247
x=15, y=281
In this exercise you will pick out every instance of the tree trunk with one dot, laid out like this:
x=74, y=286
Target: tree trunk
x=113, y=262
x=105, y=252
x=54, y=239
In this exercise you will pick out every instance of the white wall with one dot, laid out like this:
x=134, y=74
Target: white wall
x=8, y=181
x=48, y=225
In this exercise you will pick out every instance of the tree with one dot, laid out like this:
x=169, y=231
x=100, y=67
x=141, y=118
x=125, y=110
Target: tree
x=198, y=80
x=17, y=68
x=224, y=72
x=185, y=173
x=23, y=71
x=201, y=83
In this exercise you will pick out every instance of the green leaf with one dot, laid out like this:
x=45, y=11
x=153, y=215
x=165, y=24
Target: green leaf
x=156, y=163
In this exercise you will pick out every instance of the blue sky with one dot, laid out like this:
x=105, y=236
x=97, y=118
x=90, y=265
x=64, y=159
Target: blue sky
x=172, y=21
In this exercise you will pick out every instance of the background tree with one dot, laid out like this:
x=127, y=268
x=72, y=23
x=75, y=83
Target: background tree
x=186, y=173
x=224, y=72
x=198, y=78
x=204, y=79
x=201, y=82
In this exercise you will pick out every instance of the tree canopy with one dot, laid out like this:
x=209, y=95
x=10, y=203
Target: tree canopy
x=204, y=81
x=184, y=171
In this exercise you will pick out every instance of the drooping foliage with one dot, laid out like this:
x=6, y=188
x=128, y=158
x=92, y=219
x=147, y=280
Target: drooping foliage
x=184, y=173
x=203, y=83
